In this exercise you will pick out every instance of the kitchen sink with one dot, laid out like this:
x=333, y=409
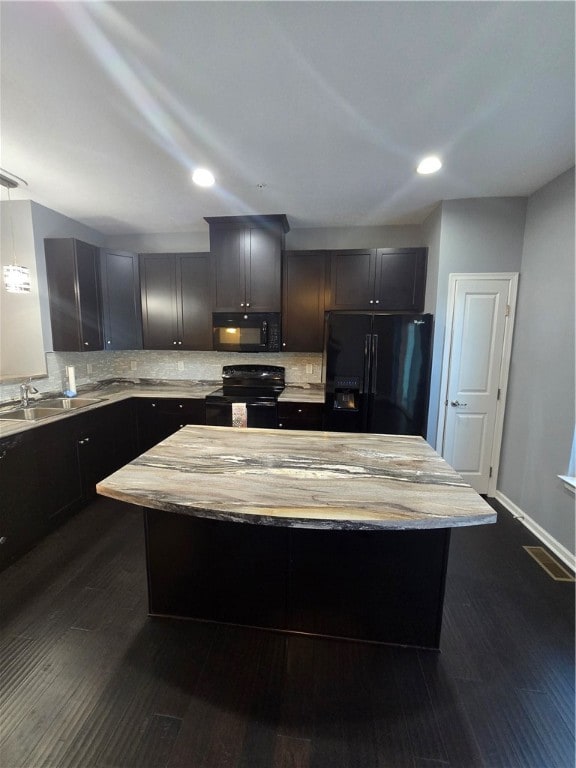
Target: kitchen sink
x=69, y=403
x=48, y=408
x=28, y=414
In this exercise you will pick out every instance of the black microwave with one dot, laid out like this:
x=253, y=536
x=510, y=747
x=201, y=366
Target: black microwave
x=246, y=332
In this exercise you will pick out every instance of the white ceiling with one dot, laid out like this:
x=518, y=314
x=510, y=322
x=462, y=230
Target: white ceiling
x=107, y=107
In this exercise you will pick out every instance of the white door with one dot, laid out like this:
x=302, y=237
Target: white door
x=479, y=326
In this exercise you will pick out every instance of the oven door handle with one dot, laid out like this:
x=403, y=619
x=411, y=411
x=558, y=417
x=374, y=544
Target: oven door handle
x=261, y=405
x=265, y=333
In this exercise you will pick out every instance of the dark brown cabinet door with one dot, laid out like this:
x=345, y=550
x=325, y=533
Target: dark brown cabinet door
x=352, y=275
x=401, y=279
x=175, y=290
x=72, y=269
x=121, y=313
x=229, y=281
x=304, y=290
x=158, y=418
x=246, y=253
x=263, y=270
x=59, y=473
x=159, y=301
x=21, y=521
x=195, y=301
x=383, y=279
x=300, y=415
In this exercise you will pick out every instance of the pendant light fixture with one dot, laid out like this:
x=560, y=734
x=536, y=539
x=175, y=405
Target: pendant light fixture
x=16, y=279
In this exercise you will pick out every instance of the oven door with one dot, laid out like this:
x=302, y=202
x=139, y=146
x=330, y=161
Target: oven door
x=258, y=414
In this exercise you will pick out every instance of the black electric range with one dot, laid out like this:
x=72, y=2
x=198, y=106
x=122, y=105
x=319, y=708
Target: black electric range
x=248, y=397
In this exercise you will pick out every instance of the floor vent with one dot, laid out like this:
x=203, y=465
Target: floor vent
x=550, y=565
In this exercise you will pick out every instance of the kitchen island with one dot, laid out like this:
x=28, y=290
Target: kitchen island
x=336, y=534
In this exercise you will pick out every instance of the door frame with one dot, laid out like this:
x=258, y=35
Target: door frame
x=453, y=278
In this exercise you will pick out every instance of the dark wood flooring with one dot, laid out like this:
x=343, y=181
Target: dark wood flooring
x=89, y=681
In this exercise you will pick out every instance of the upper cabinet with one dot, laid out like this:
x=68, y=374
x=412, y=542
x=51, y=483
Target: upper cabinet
x=304, y=300
x=246, y=253
x=385, y=279
x=72, y=270
x=176, y=307
x=122, y=320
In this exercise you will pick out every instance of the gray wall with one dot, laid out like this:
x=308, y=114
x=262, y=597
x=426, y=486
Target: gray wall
x=475, y=235
x=296, y=239
x=539, y=422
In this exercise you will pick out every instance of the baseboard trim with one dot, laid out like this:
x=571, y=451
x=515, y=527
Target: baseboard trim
x=553, y=544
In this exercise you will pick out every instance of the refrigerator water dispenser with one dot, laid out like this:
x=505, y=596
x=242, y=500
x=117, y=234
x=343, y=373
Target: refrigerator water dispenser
x=346, y=393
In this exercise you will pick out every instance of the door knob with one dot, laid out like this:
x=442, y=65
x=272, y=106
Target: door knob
x=456, y=404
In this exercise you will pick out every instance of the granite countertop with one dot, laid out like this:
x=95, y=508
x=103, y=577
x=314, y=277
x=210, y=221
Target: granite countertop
x=302, y=479
x=111, y=391
x=303, y=393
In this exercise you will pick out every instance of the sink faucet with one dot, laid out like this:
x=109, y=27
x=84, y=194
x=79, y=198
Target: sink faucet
x=27, y=389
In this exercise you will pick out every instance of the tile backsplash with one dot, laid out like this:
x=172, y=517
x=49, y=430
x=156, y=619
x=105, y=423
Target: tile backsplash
x=90, y=367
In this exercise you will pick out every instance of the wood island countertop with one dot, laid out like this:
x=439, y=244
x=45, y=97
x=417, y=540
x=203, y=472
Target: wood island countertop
x=302, y=479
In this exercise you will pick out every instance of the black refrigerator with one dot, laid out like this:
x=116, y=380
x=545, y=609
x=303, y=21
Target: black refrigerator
x=377, y=372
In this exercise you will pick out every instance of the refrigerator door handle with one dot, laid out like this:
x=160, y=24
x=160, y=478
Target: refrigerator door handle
x=374, y=362
x=367, y=353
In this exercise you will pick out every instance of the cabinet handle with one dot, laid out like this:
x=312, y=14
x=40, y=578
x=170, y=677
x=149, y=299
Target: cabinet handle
x=85, y=440
x=3, y=454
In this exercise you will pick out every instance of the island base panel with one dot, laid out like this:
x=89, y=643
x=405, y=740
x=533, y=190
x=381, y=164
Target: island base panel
x=380, y=586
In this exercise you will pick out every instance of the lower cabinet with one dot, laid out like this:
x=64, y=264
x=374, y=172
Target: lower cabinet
x=160, y=417
x=300, y=415
x=22, y=520
x=50, y=472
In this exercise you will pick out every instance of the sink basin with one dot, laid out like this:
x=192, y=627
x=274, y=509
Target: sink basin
x=69, y=403
x=28, y=414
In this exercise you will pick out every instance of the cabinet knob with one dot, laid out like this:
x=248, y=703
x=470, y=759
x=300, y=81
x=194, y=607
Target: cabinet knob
x=2, y=539
x=247, y=303
x=180, y=405
x=153, y=405
x=283, y=343
x=86, y=344
x=108, y=341
x=377, y=301
x=174, y=342
x=241, y=303
x=280, y=426
x=180, y=343
x=371, y=301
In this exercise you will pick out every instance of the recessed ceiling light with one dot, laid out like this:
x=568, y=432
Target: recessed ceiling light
x=203, y=177
x=429, y=165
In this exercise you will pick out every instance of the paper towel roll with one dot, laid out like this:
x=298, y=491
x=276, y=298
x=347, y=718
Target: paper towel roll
x=71, y=376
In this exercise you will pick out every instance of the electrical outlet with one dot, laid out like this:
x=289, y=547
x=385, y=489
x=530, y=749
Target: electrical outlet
x=88, y=368
x=309, y=369
x=180, y=365
x=133, y=365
